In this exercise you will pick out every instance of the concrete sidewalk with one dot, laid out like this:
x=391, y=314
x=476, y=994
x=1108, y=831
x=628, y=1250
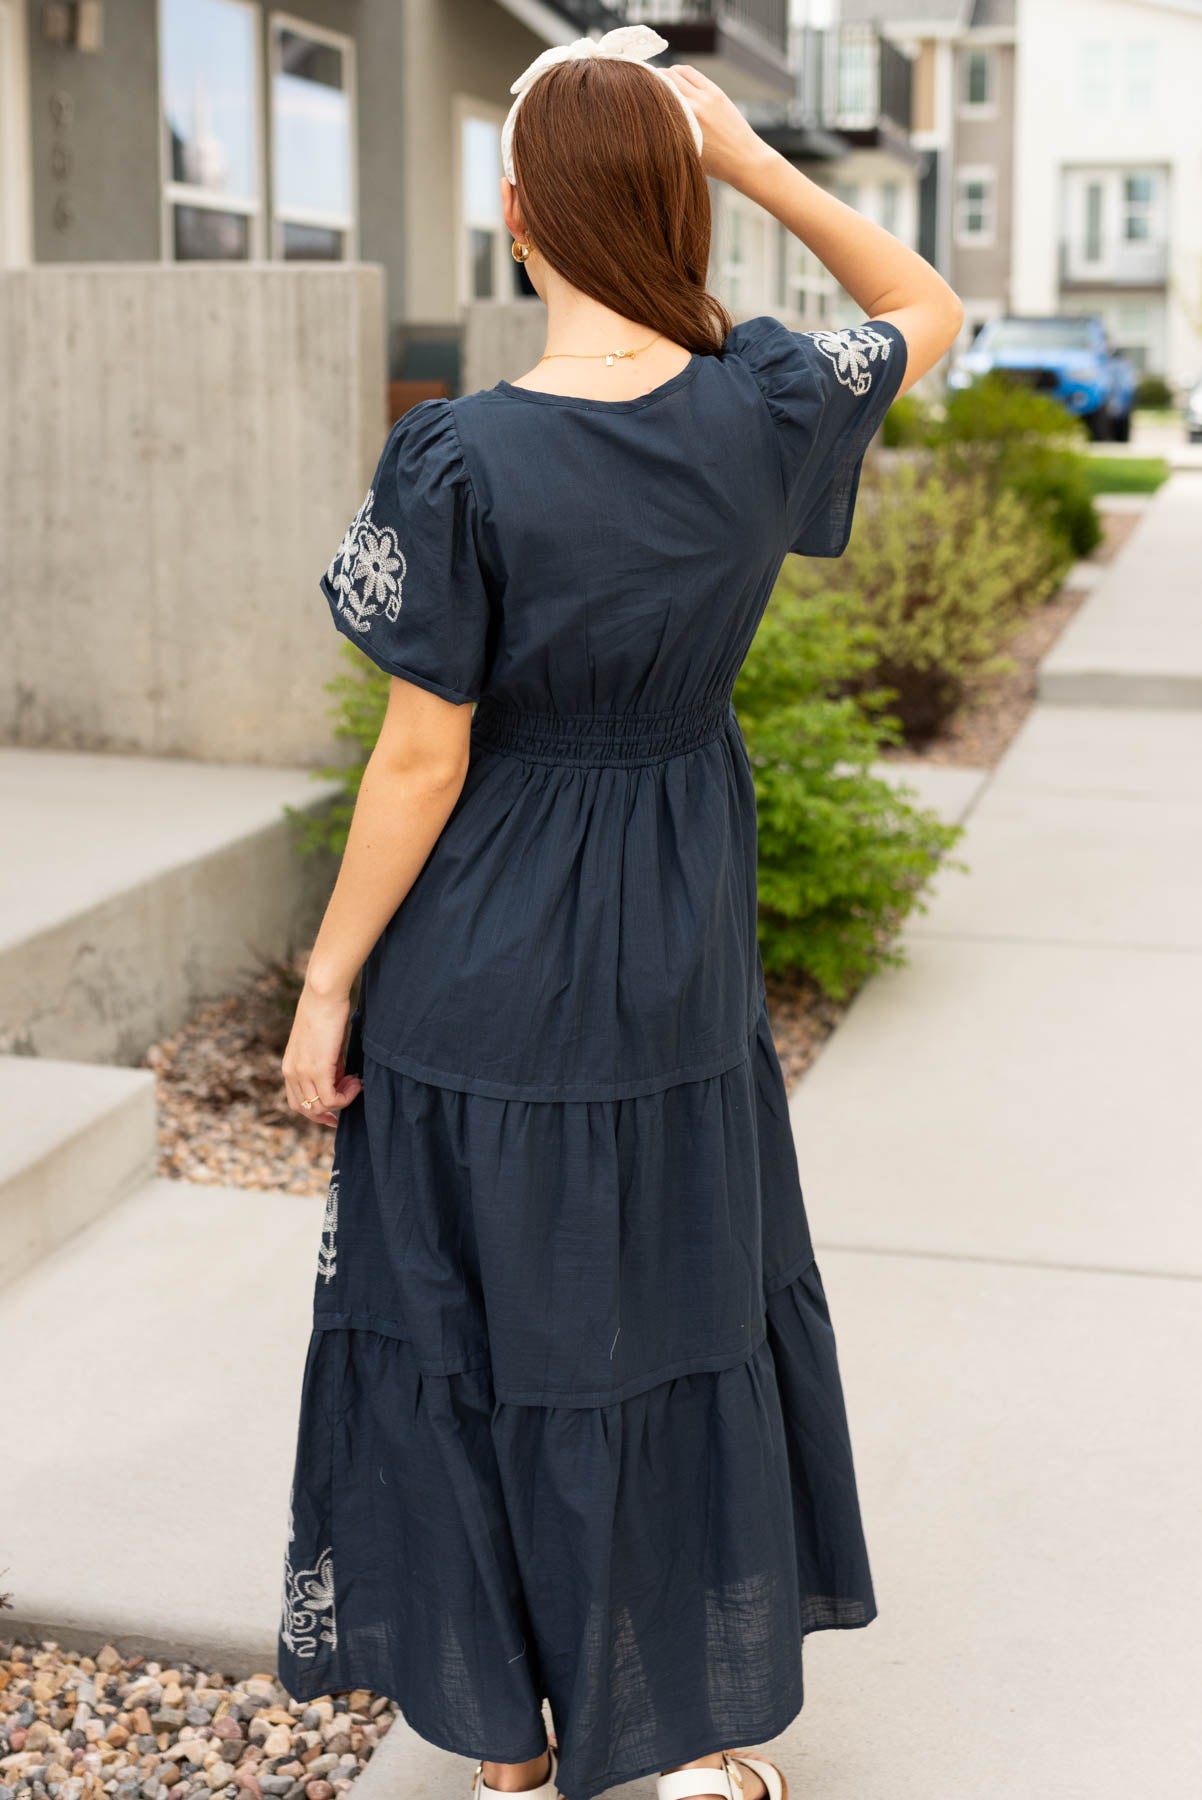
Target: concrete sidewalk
x=1001, y=1150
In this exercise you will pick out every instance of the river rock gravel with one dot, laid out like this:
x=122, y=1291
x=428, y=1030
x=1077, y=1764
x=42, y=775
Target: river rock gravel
x=73, y=1725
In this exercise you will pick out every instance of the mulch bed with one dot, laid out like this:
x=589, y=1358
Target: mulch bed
x=222, y=1115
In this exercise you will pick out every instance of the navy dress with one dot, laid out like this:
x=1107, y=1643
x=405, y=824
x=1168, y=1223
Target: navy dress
x=571, y=1425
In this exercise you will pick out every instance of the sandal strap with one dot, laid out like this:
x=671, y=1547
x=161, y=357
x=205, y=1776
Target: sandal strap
x=684, y=1784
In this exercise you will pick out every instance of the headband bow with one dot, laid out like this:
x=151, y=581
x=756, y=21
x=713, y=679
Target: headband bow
x=628, y=43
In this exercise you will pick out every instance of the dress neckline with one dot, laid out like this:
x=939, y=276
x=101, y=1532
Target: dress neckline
x=541, y=397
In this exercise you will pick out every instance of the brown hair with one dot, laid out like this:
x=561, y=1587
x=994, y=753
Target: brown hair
x=613, y=194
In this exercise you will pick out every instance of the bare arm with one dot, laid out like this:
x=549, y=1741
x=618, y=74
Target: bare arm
x=412, y=780
x=882, y=275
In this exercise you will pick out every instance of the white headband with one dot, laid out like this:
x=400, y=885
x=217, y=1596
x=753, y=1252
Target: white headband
x=628, y=43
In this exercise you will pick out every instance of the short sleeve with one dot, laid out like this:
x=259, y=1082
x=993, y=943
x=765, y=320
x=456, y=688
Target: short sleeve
x=405, y=584
x=828, y=392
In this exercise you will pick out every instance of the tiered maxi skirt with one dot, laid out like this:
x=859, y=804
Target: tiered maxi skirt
x=503, y=1506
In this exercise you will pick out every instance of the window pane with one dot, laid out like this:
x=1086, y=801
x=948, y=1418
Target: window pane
x=313, y=243
x=978, y=78
x=202, y=235
x=480, y=250
x=1139, y=190
x=481, y=172
x=311, y=128
x=1093, y=222
x=208, y=81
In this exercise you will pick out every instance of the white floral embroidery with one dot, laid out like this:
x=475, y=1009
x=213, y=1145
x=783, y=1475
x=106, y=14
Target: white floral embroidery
x=327, y=1255
x=308, y=1593
x=367, y=569
x=854, y=352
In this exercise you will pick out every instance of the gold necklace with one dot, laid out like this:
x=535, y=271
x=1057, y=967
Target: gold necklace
x=611, y=356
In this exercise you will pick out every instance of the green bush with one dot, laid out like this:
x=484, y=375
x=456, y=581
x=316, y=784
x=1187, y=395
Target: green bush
x=941, y=567
x=909, y=421
x=1026, y=442
x=1154, y=393
x=360, y=700
x=843, y=856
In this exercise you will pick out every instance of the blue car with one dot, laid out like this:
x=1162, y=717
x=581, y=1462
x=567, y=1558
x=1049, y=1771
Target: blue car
x=1068, y=358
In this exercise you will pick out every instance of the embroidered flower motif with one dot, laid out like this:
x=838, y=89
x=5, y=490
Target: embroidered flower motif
x=854, y=353
x=307, y=1595
x=367, y=569
x=327, y=1262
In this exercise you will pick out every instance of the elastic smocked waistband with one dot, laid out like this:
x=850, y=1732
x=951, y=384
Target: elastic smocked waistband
x=616, y=739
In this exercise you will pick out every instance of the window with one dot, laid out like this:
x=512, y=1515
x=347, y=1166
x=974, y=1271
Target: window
x=1139, y=207
x=890, y=205
x=312, y=142
x=745, y=266
x=974, y=207
x=1097, y=84
x=1094, y=214
x=209, y=74
x=977, y=90
x=857, y=76
x=487, y=270
x=1141, y=74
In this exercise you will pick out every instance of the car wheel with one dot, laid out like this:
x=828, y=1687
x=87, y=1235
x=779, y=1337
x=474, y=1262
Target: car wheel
x=1121, y=428
x=1098, y=424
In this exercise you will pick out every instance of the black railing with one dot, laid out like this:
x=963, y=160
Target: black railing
x=766, y=19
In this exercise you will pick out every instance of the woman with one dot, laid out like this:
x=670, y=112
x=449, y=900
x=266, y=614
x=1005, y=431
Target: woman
x=571, y=1427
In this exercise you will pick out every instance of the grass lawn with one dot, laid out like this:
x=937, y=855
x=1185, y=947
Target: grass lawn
x=1125, y=474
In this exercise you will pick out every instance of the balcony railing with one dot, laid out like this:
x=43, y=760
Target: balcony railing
x=767, y=20
x=1143, y=263
x=848, y=79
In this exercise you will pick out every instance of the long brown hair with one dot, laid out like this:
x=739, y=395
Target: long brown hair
x=613, y=194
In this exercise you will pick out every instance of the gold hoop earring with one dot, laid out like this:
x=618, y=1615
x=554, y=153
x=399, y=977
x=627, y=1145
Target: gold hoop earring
x=519, y=251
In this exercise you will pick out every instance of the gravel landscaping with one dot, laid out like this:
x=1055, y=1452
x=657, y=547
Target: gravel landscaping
x=222, y=1117
x=74, y=1725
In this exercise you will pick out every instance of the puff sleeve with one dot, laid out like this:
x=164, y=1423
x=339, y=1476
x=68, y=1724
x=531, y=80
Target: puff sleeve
x=828, y=392
x=405, y=584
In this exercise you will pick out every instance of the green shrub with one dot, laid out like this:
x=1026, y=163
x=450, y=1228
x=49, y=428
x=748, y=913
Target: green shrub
x=843, y=856
x=1154, y=394
x=1026, y=442
x=941, y=567
x=360, y=700
x=909, y=421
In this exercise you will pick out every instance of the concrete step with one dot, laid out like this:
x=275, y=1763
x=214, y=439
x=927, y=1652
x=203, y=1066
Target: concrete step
x=1138, y=642
x=74, y=1137
x=162, y=1349
x=145, y=885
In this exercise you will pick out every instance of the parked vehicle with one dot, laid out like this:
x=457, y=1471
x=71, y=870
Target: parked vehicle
x=1069, y=358
x=1193, y=413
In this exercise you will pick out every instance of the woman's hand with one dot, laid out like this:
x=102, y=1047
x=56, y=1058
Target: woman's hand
x=731, y=148
x=313, y=1062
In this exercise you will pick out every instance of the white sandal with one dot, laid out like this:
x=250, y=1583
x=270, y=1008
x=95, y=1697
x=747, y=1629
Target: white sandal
x=683, y=1784
x=547, y=1791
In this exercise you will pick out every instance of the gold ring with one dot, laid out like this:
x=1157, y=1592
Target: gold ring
x=313, y=1102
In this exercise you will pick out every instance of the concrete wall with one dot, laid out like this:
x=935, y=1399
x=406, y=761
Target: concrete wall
x=183, y=449
x=501, y=339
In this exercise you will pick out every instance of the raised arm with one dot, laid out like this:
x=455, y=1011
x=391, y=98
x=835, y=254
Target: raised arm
x=882, y=275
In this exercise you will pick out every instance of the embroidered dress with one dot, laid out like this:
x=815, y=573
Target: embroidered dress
x=571, y=1423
